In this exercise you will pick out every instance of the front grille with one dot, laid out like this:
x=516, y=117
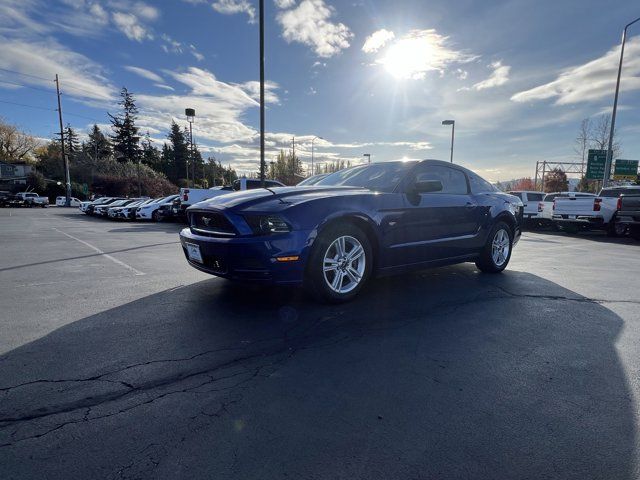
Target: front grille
x=210, y=223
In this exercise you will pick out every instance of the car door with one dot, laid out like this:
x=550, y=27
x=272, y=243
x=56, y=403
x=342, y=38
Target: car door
x=437, y=225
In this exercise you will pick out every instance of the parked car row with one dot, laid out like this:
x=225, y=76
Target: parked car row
x=118, y=208
x=615, y=210
x=23, y=199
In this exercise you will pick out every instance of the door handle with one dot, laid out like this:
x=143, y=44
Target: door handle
x=471, y=205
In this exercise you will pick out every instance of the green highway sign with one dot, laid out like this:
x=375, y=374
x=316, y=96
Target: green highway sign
x=625, y=170
x=596, y=161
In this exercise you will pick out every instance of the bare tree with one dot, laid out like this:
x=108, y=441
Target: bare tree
x=14, y=144
x=583, y=139
x=600, y=135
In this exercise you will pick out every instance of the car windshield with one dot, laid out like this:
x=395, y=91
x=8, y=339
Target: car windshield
x=311, y=180
x=380, y=177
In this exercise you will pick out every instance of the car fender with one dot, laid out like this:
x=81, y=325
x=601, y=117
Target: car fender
x=360, y=218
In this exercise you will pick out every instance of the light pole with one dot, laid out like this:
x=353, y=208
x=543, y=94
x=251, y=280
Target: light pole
x=607, y=166
x=191, y=115
x=453, y=131
x=313, y=140
x=262, y=164
x=368, y=155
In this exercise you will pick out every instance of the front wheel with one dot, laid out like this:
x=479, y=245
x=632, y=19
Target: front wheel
x=155, y=216
x=340, y=264
x=496, y=253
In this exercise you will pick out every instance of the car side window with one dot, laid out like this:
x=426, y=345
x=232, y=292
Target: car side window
x=453, y=180
x=479, y=185
x=516, y=194
x=535, y=197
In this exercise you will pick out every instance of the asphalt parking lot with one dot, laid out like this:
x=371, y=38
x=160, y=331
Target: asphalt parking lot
x=118, y=360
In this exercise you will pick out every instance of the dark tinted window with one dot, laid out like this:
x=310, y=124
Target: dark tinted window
x=380, y=177
x=516, y=194
x=616, y=192
x=479, y=184
x=535, y=197
x=453, y=180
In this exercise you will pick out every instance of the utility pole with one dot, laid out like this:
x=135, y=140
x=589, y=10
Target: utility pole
x=607, y=166
x=67, y=178
x=293, y=143
x=262, y=165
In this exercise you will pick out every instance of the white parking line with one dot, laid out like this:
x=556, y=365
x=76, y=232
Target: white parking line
x=106, y=255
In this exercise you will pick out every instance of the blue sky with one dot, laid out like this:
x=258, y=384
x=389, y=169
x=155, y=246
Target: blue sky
x=373, y=77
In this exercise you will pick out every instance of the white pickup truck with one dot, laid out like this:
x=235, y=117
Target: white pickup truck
x=191, y=196
x=32, y=199
x=575, y=213
x=545, y=207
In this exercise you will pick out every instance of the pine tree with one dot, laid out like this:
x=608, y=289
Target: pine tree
x=125, y=133
x=180, y=152
x=98, y=145
x=151, y=155
x=71, y=142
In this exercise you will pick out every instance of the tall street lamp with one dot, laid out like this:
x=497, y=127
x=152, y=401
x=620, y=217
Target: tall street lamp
x=191, y=115
x=453, y=131
x=607, y=166
x=368, y=155
x=313, y=140
x=262, y=164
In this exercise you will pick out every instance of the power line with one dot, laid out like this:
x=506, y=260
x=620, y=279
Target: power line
x=26, y=74
x=25, y=86
x=48, y=110
x=28, y=106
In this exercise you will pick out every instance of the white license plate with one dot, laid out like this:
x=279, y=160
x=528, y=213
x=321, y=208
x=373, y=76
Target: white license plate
x=571, y=217
x=193, y=251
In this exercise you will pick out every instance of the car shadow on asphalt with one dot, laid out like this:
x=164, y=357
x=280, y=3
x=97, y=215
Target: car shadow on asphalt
x=592, y=235
x=446, y=373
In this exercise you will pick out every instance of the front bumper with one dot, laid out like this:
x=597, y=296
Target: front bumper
x=249, y=258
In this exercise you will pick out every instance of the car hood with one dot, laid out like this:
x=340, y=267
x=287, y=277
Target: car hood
x=277, y=199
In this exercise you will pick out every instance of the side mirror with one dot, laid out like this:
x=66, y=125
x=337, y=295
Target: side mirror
x=427, y=186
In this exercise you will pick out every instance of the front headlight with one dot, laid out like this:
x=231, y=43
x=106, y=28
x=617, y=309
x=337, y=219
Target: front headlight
x=267, y=224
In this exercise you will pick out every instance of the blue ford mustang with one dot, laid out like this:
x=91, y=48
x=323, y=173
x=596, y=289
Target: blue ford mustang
x=367, y=220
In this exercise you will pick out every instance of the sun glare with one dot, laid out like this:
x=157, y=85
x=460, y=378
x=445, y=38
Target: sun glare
x=404, y=59
x=417, y=53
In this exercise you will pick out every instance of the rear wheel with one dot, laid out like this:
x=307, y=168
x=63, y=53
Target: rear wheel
x=615, y=229
x=340, y=264
x=497, y=251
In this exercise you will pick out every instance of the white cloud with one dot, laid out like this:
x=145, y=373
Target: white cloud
x=309, y=23
x=80, y=77
x=284, y=3
x=591, y=81
x=418, y=52
x=499, y=76
x=377, y=40
x=164, y=87
x=129, y=24
x=144, y=73
x=231, y=7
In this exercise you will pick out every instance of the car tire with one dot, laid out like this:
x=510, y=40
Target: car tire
x=155, y=216
x=331, y=275
x=615, y=229
x=496, y=253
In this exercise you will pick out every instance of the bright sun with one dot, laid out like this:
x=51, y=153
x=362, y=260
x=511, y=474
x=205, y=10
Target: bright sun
x=417, y=53
x=406, y=59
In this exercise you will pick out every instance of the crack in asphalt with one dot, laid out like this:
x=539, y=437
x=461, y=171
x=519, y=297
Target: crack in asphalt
x=287, y=346
x=562, y=297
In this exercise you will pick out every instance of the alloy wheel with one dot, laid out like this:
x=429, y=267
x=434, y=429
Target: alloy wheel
x=500, y=247
x=344, y=264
